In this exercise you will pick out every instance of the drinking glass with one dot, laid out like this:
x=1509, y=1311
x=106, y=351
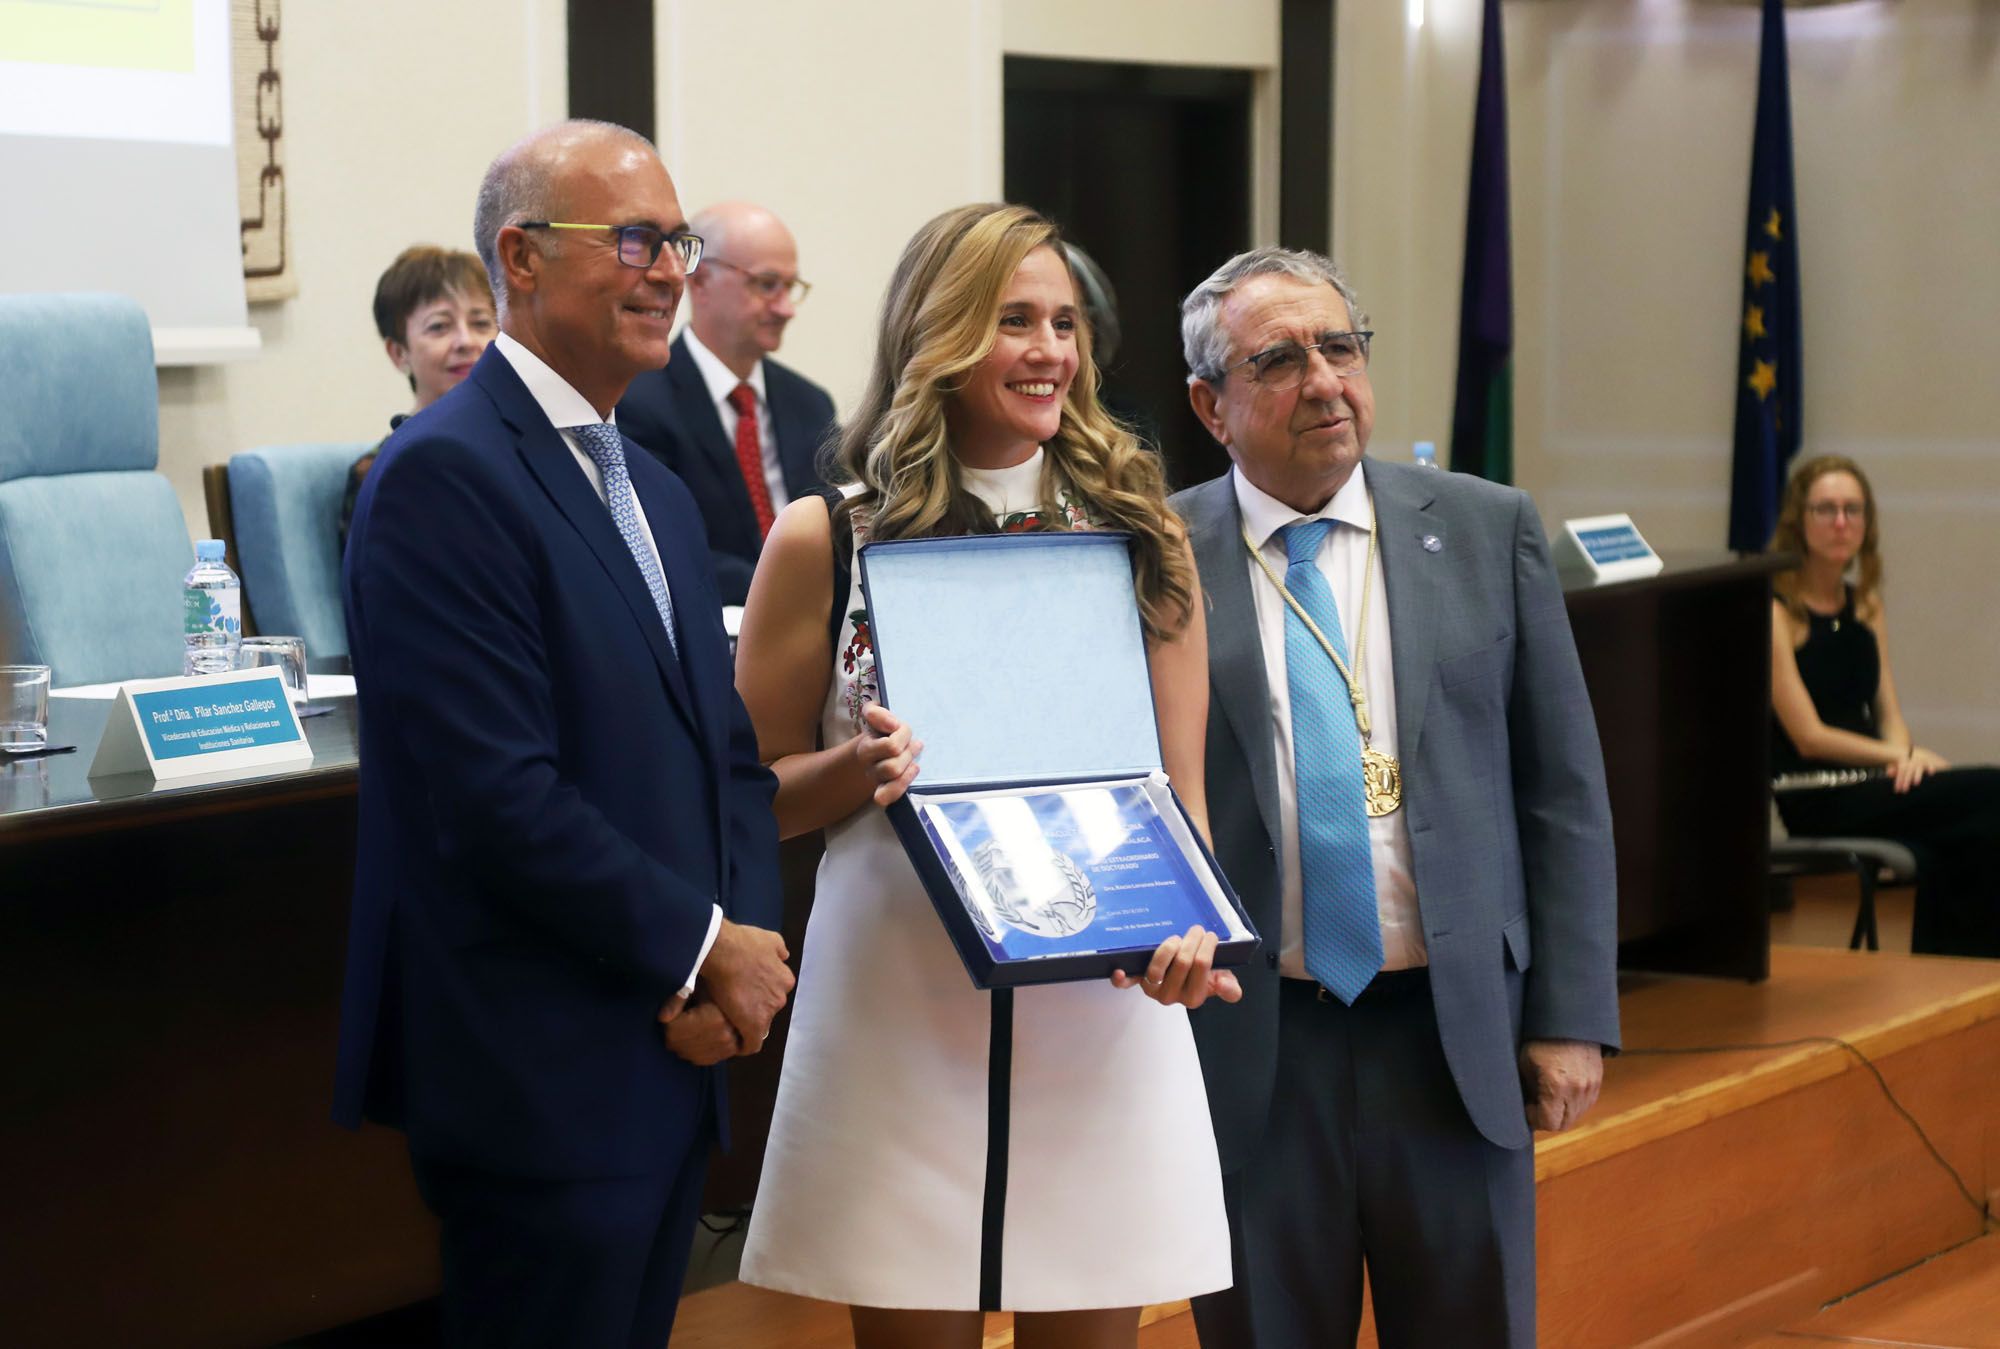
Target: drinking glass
x=24, y=707
x=286, y=654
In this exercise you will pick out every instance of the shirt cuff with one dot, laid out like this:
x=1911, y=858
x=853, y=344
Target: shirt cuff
x=714, y=928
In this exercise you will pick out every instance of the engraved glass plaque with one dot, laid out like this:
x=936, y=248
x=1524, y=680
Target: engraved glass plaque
x=1072, y=870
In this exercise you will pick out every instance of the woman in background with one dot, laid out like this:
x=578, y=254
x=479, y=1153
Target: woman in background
x=981, y=416
x=1843, y=759
x=434, y=311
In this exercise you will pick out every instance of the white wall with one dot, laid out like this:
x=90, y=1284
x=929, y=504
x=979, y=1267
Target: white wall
x=1630, y=142
x=858, y=123
x=391, y=114
x=854, y=123
x=1630, y=145
x=1402, y=128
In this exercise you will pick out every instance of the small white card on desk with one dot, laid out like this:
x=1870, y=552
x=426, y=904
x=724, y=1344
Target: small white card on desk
x=201, y=726
x=1607, y=548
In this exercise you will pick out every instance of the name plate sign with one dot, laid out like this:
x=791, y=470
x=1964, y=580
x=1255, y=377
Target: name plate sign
x=202, y=726
x=1605, y=548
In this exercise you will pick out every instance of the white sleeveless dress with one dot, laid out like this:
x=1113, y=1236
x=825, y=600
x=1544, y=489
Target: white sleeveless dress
x=933, y=1147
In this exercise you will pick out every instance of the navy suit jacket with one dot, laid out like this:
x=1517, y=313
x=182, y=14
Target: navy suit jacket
x=1503, y=783
x=551, y=799
x=669, y=412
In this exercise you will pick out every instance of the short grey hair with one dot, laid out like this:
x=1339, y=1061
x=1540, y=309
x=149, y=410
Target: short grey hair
x=1206, y=345
x=520, y=184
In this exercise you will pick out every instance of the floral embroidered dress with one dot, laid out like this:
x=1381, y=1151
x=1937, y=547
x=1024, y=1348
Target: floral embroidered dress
x=918, y=1159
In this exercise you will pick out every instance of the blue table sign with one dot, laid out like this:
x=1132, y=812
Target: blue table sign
x=201, y=727
x=1606, y=548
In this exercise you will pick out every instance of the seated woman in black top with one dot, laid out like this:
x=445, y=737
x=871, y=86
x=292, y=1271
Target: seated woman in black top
x=434, y=311
x=1842, y=758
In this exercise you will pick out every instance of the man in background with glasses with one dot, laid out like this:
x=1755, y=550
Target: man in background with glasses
x=742, y=431
x=1405, y=787
x=566, y=872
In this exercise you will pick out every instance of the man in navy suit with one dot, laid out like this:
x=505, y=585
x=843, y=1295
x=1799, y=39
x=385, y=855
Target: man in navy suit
x=743, y=431
x=565, y=836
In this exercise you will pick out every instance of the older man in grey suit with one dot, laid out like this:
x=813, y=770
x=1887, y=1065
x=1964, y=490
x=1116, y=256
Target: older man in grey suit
x=1405, y=786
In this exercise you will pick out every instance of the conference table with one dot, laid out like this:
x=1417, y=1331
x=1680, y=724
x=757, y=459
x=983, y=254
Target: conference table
x=170, y=968
x=170, y=965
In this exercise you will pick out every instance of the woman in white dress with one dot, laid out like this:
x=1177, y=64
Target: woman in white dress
x=938, y=1151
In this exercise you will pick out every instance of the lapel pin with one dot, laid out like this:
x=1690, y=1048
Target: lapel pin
x=1432, y=543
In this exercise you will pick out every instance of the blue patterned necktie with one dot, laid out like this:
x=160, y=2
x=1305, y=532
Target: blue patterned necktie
x=1343, y=934
x=606, y=449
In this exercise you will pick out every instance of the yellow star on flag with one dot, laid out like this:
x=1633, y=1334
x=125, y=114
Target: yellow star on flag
x=1764, y=378
x=1775, y=226
x=1760, y=269
x=1753, y=321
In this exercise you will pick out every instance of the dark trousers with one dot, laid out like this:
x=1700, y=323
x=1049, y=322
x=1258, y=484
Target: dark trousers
x=1951, y=823
x=595, y=1264
x=1370, y=1159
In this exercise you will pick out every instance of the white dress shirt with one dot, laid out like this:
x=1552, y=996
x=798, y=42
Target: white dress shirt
x=565, y=408
x=1343, y=561
x=721, y=382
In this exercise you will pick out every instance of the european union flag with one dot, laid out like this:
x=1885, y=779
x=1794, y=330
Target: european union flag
x=1482, y=417
x=1767, y=374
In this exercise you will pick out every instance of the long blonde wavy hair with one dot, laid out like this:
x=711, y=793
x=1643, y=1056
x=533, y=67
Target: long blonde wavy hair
x=939, y=321
x=1789, y=536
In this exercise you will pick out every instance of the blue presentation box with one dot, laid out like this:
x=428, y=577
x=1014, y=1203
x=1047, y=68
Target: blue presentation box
x=1043, y=825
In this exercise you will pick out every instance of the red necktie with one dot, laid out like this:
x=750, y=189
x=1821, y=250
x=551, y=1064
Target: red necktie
x=750, y=454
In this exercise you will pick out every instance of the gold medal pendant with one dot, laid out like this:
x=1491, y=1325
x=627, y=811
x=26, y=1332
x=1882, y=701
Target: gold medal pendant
x=1381, y=775
x=1382, y=782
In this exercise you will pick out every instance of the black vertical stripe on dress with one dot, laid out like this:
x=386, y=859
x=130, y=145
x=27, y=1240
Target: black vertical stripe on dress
x=999, y=1079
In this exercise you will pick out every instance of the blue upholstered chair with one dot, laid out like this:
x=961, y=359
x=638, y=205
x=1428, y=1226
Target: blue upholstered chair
x=93, y=545
x=285, y=501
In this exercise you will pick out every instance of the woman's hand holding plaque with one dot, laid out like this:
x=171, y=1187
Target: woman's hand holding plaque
x=887, y=752
x=1182, y=972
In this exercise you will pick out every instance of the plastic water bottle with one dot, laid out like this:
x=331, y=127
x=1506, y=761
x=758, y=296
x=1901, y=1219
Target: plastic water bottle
x=212, y=623
x=1426, y=454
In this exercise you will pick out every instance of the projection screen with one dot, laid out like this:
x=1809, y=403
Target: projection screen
x=117, y=166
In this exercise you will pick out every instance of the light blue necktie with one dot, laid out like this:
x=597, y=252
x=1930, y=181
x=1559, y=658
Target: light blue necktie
x=606, y=448
x=1343, y=934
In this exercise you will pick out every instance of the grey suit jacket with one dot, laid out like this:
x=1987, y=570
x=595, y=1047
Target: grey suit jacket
x=1503, y=782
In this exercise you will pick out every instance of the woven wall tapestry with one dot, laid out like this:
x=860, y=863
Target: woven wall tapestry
x=260, y=167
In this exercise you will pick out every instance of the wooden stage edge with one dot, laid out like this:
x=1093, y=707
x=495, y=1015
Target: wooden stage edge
x=1716, y=1197
x=1711, y=1198
x=1767, y=1014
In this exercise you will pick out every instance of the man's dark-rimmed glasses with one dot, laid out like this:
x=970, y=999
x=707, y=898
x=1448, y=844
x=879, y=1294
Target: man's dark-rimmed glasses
x=1284, y=366
x=638, y=245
